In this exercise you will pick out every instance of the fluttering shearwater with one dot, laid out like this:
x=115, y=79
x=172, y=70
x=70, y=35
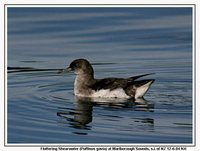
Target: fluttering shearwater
x=86, y=85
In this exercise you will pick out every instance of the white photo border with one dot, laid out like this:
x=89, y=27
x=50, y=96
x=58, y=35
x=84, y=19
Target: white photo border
x=193, y=6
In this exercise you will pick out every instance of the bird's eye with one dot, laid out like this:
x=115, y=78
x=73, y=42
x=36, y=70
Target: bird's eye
x=75, y=65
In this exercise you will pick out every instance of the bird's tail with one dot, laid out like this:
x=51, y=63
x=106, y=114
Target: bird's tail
x=142, y=87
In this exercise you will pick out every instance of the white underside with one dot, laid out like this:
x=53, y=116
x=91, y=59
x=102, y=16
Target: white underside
x=140, y=91
x=117, y=93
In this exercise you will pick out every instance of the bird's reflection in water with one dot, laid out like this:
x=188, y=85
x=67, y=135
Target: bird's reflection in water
x=81, y=115
x=78, y=117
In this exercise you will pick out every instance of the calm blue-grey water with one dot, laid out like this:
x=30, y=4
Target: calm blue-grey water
x=120, y=42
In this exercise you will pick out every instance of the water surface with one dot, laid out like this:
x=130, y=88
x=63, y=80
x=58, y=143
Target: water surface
x=119, y=42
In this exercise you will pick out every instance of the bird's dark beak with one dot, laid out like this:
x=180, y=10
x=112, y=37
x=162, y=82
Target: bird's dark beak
x=60, y=71
x=65, y=70
x=68, y=69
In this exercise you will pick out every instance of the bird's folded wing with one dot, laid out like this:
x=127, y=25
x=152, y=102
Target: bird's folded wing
x=109, y=83
x=138, y=76
x=114, y=83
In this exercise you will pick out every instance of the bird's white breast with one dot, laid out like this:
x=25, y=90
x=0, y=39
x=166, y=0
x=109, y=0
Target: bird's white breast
x=117, y=93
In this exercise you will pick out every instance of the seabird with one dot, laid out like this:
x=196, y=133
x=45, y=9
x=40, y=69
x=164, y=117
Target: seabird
x=86, y=85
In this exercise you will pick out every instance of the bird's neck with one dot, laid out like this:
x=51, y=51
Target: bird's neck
x=84, y=77
x=83, y=83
